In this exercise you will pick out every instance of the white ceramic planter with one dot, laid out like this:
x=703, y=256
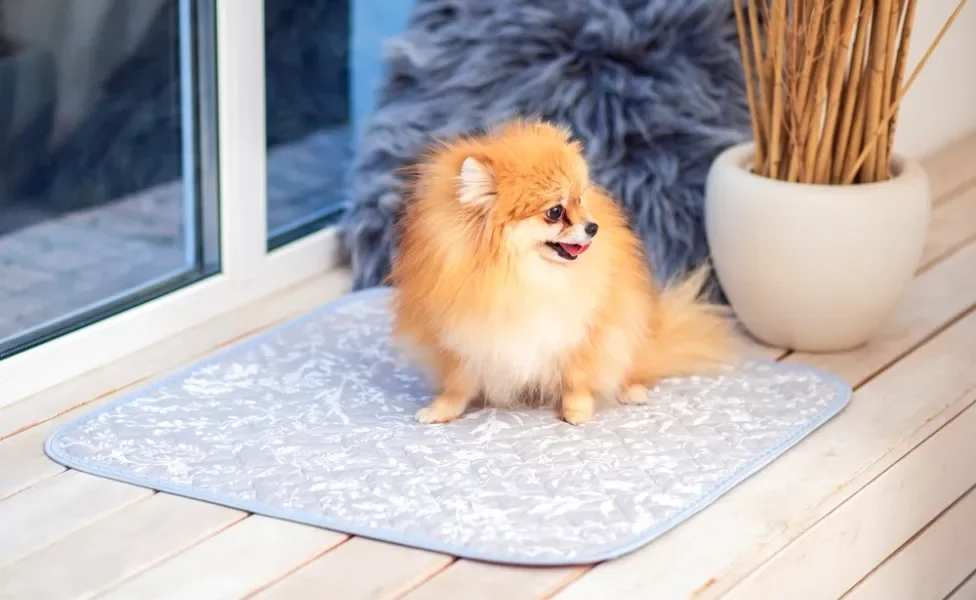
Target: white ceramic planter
x=814, y=268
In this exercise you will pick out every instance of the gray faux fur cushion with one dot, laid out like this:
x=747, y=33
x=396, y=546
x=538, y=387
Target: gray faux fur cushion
x=652, y=87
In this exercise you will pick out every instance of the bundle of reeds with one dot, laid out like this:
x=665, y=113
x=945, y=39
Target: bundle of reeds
x=824, y=80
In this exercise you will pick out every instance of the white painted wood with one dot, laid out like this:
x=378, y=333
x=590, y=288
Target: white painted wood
x=951, y=227
x=22, y=464
x=53, y=509
x=862, y=532
x=966, y=590
x=710, y=553
x=108, y=551
x=233, y=563
x=361, y=569
x=950, y=168
x=243, y=141
x=931, y=566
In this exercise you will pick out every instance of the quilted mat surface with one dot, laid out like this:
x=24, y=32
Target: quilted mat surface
x=313, y=421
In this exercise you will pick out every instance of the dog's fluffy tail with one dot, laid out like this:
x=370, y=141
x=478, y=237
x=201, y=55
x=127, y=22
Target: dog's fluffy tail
x=688, y=334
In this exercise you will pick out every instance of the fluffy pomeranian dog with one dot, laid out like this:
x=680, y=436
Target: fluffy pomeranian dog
x=518, y=281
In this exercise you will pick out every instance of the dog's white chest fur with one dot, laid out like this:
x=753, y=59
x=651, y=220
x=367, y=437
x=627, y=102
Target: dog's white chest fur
x=523, y=345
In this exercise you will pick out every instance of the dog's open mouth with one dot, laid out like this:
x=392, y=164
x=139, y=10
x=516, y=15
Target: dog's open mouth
x=568, y=251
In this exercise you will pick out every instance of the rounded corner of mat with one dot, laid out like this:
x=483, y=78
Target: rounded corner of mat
x=53, y=449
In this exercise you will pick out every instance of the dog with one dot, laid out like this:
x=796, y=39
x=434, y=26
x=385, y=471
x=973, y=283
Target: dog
x=519, y=280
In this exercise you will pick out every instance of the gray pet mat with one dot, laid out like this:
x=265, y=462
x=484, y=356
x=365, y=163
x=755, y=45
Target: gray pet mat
x=313, y=421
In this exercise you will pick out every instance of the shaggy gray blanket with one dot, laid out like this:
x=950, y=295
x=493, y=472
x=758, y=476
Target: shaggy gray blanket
x=653, y=88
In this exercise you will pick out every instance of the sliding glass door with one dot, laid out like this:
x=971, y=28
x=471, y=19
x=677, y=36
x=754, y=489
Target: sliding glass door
x=108, y=159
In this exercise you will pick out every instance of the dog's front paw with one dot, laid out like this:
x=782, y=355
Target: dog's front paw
x=634, y=394
x=439, y=412
x=578, y=410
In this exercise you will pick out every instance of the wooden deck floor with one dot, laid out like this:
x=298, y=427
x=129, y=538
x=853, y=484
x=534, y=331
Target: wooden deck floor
x=877, y=504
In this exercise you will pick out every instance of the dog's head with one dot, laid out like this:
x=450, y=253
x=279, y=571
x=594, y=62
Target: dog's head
x=529, y=183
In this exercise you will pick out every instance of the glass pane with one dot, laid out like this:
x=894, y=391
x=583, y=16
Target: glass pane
x=105, y=201
x=322, y=60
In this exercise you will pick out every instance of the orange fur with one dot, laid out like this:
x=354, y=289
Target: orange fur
x=493, y=311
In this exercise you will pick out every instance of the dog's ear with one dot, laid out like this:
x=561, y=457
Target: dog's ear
x=476, y=183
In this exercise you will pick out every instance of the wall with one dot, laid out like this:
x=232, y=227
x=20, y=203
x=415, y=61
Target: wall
x=941, y=105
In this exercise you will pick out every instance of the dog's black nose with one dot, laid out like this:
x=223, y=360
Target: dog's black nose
x=591, y=229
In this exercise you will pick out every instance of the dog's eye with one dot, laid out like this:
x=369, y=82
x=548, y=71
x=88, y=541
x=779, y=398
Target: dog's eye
x=555, y=213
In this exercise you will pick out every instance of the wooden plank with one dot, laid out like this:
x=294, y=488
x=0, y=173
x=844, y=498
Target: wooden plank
x=351, y=570
x=933, y=563
x=108, y=551
x=49, y=511
x=953, y=226
x=234, y=563
x=966, y=590
x=888, y=417
x=22, y=456
x=23, y=465
x=950, y=169
x=153, y=362
x=833, y=555
x=484, y=581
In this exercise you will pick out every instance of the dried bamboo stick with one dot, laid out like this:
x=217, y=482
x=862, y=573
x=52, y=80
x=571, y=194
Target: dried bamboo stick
x=755, y=36
x=882, y=163
x=815, y=111
x=903, y=46
x=876, y=64
x=778, y=28
x=747, y=59
x=852, y=91
x=864, y=99
x=852, y=145
x=838, y=76
x=764, y=66
x=857, y=132
x=810, y=48
x=795, y=33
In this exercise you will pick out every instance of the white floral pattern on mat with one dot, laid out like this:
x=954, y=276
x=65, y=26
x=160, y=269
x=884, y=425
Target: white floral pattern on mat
x=314, y=422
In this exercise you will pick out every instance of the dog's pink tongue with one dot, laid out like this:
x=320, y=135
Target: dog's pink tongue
x=575, y=249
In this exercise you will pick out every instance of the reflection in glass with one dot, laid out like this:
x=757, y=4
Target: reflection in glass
x=104, y=201
x=323, y=62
